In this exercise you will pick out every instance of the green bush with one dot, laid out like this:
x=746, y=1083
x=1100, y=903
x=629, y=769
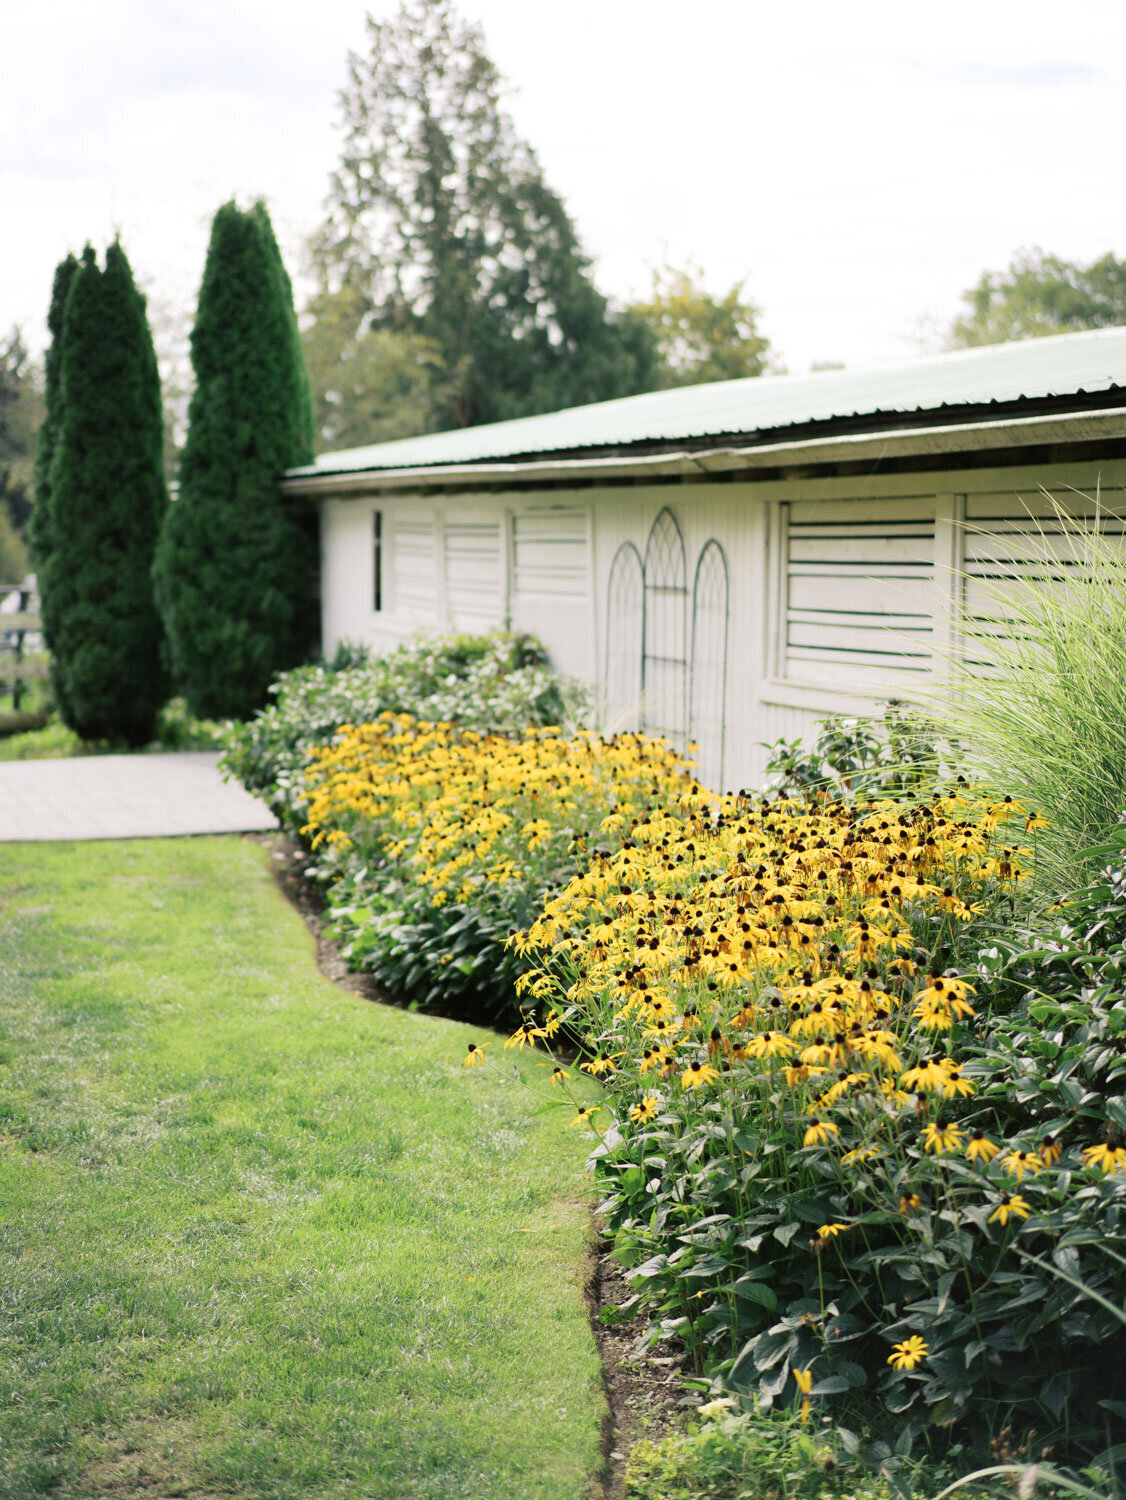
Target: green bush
x=920, y=1234
x=498, y=681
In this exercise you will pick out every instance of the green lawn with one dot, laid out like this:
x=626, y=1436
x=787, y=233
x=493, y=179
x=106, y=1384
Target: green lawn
x=258, y=1237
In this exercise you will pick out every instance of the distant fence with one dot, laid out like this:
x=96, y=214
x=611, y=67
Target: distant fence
x=23, y=658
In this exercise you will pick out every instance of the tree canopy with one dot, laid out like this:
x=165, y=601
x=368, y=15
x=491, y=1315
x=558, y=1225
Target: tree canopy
x=236, y=563
x=440, y=216
x=702, y=337
x=103, y=501
x=1040, y=294
x=21, y=411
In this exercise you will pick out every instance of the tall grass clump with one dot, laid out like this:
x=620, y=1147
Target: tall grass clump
x=1038, y=700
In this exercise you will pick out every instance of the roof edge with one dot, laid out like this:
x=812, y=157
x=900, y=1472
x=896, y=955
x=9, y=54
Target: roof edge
x=1014, y=432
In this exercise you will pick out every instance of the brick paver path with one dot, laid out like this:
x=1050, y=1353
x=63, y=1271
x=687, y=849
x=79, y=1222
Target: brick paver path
x=123, y=797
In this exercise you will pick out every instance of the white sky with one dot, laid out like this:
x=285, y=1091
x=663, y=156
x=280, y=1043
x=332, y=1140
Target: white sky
x=859, y=163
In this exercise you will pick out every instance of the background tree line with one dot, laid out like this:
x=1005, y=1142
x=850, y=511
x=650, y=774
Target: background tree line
x=449, y=288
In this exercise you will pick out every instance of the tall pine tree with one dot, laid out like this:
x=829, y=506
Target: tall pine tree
x=105, y=498
x=236, y=564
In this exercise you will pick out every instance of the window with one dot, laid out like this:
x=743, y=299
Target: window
x=377, y=561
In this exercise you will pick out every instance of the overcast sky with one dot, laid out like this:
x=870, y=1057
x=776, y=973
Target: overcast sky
x=860, y=164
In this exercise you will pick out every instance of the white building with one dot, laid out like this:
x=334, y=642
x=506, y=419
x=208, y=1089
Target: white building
x=730, y=562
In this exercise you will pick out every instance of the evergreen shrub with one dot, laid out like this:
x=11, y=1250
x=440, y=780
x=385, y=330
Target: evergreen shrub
x=236, y=567
x=101, y=506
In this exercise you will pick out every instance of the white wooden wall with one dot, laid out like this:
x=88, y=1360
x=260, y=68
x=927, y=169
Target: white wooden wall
x=841, y=592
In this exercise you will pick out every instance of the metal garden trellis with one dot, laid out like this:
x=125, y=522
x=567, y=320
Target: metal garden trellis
x=664, y=658
x=707, y=712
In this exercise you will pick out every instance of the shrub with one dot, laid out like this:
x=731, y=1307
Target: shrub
x=495, y=681
x=438, y=842
x=828, y=1174
x=104, y=504
x=236, y=563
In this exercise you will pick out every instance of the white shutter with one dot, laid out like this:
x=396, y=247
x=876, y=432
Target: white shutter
x=549, y=555
x=412, y=566
x=474, y=571
x=860, y=592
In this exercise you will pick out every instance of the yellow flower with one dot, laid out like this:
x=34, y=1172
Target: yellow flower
x=603, y=1063
x=939, y=1137
x=525, y=1035
x=1017, y=1163
x=865, y=1153
x=475, y=1055
x=804, y=1380
x=584, y=1115
x=1050, y=1150
x=830, y=1231
x=906, y=1355
x=1110, y=1158
x=820, y=1133
x=909, y=1203
x=645, y=1110
x=1011, y=1206
x=559, y=1075
x=981, y=1148
x=696, y=1074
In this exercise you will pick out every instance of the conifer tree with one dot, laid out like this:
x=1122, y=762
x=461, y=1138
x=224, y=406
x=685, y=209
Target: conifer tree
x=105, y=498
x=236, y=564
x=39, y=527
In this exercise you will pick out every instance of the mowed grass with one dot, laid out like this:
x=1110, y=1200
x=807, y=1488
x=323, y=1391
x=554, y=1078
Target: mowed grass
x=258, y=1237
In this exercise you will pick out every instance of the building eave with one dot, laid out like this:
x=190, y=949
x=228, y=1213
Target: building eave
x=959, y=438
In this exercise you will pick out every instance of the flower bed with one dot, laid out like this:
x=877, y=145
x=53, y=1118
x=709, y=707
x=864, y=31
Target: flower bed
x=436, y=842
x=836, y=1176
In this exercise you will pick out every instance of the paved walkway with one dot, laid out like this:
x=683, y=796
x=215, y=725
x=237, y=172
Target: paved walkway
x=123, y=797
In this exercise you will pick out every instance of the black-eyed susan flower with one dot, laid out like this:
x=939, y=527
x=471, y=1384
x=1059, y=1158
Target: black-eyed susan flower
x=1049, y=1150
x=1109, y=1159
x=559, y=1075
x=910, y=1203
x=645, y=1109
x=605, y=1062
x=906, y=1355
x=820, y=1133
x=981, y=1148
x=525, y=1035
x=697, y=1073
x=474, y=1055
x=1017, y=1163
x=939, y=1137
x=1010, y=1205
x=829, y=1232
x=584, y=1116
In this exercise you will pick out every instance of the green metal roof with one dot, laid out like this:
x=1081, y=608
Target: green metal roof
x=1064, y=365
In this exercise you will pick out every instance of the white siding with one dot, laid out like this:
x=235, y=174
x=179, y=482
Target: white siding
x=859, y=591
x=550, y=555
x=474, y=571
x=413, y=568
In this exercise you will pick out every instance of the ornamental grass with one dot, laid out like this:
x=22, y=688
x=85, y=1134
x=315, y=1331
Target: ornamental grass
x=820, y=1158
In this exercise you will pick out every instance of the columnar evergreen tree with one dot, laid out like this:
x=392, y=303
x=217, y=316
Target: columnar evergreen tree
x=236, y=564
x=39, y=528
x=105, y=500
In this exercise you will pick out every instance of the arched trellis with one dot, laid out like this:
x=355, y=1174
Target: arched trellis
x=707, y=713
x=664, y=661
x=625, y=609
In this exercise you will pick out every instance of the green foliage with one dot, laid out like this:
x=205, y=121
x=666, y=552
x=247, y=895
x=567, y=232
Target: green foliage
x=39, y=525
x=441, y=218
x=900, y=755
x=1041, y=294
x=700, y=336
x=369, y=385
x=1039, y=698
x=21, y=412
x=495, y=681
x=736, y=1455
x=236, y=563
x=103, y=505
